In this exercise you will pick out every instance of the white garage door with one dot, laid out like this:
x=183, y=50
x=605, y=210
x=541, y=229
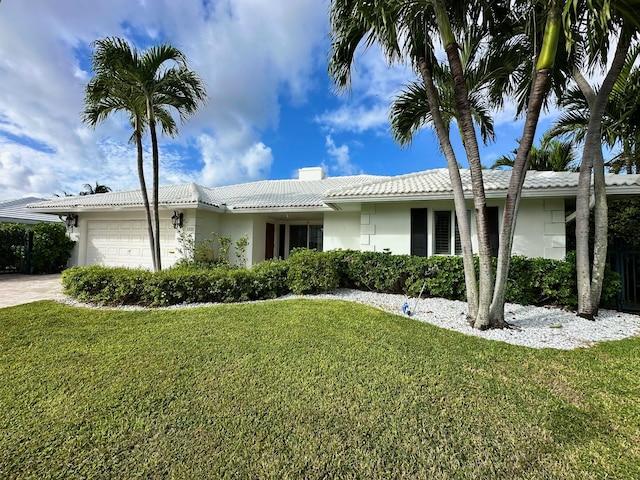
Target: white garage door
x=125, y=243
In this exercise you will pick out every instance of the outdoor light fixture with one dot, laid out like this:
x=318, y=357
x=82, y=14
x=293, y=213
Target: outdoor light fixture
x=71, y=220
x=176, y=219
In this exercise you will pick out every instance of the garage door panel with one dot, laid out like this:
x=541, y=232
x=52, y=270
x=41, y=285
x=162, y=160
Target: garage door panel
x=125, y=243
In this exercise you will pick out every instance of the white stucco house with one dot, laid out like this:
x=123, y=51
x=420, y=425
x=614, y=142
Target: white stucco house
x=406, y=214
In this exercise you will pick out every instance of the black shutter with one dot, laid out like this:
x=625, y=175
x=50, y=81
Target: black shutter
x=419, y=232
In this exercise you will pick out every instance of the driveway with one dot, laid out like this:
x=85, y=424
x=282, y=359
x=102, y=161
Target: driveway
x=16, y=289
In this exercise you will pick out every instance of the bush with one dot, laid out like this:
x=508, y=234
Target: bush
x=378, y=272
x=13, y=246
x=107, y=285
x=270, y=279
x=51, y=248
x=531, y=281
x=312, y=272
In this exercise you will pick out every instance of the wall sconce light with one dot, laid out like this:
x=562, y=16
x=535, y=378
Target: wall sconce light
x=176, y=219
x=71, y=220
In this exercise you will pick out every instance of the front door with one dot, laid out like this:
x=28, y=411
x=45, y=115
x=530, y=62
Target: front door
x=270, y=241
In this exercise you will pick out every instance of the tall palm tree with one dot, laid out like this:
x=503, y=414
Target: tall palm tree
x=147, y=85
x=405, y=30
x=161, y=87
x=354, y=22
x=107, y=93
x=593, y=26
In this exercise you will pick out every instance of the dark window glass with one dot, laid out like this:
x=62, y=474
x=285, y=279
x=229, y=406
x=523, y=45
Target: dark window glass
x=315, y=237
x=297, y=236
x=419, y=232
x=442, y=231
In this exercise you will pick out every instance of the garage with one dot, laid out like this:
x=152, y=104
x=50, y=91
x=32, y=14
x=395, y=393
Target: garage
x=125, y=243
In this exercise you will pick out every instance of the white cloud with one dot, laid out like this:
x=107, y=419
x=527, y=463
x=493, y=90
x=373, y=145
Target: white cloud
x=250, y=53
x=231, y=160
x=374, y=85
x=358, y=119
x=340, y=159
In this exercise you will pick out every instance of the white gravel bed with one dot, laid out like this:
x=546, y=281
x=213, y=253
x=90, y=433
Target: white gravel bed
x=536, y=327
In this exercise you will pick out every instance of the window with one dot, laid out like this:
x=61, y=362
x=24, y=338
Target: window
x=442, y=233
x=305, y=236
x=419, y=232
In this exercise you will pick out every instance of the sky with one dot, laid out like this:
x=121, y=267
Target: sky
x=271, y=109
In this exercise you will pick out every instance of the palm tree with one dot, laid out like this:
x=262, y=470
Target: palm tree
x=405, y=30
x=552, y=155
x=591, y=34
x=147, y=85
x=384, y=23
x=620, y=122
x=161, y=87
x=107, y=93
x=91, y=190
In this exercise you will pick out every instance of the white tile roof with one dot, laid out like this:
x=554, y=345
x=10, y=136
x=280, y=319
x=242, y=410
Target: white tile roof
x=266, y=194
x=436, y=183
x=16, y=211
x=287, y=195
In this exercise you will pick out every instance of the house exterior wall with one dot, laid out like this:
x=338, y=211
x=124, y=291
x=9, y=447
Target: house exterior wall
x=540, y=229
x=380, y=226
x=237, y=225
x=342, y=230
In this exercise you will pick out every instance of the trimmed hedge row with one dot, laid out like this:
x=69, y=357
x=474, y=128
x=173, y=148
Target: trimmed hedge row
x=50, y=249
x=536, y=281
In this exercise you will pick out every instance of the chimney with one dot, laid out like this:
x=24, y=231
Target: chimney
x=311, y=173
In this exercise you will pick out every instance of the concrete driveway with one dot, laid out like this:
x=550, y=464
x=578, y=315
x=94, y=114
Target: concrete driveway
x=16, y=289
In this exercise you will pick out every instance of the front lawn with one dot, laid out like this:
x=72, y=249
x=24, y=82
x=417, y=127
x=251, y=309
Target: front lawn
x=303, y=389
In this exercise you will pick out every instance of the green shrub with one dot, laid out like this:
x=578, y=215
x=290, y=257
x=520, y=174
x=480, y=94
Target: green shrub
x=107, y=285
x=312, y=272
x=270, y=279
x=375, y=271
x=51, y=248
x=531, y=281
x=13, y=246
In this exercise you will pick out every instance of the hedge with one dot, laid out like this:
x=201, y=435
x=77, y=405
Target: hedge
x=51, y=247
x=535, y=281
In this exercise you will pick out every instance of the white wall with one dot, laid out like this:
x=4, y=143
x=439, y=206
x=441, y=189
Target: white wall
x=539, y=228
x=235, y=226
x=341, y=230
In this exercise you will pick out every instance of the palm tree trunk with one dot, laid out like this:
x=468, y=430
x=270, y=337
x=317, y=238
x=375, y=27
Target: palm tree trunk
x=546, y=59
x=470, y=141
x=145, y=197
x=514, y=194
x=590, y=284
x=156, y=187
x=458, y=193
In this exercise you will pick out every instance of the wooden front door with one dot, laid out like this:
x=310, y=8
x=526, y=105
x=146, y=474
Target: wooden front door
x=270, y=241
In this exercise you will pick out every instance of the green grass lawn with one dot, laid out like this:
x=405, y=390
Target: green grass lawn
x=303, y=389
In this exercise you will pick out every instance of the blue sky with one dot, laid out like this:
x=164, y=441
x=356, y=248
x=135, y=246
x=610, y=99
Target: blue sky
x=271, y=110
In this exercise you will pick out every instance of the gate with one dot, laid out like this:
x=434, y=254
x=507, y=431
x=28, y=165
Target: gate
x=15, y=250
x=626, y=261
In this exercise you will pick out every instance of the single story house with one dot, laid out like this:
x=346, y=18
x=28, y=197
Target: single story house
x=406, y=214
x=16, y=211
